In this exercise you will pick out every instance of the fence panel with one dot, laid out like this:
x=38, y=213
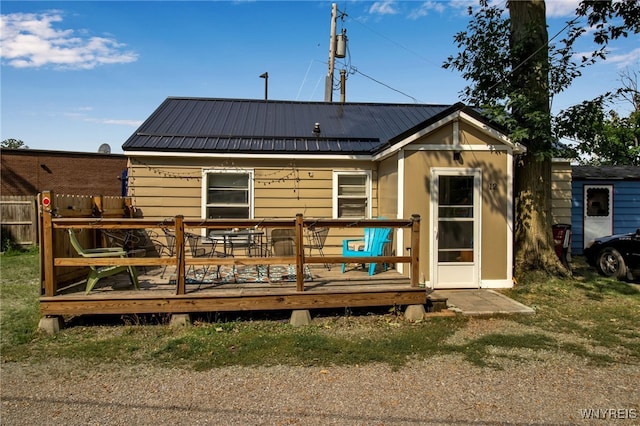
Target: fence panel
x=18, y=217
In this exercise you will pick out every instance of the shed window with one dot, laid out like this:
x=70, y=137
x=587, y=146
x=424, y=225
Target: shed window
x=228, y=195
x=352, y=195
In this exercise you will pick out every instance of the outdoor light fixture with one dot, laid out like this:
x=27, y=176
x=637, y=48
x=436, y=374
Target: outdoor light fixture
x=316, y=129
x=266, y=84
x=457, y=156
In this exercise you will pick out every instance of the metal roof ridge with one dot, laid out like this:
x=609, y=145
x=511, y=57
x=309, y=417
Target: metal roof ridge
x=285, y=101
x=310, y=137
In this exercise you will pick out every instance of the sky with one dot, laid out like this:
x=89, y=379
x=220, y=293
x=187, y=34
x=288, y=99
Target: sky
x=79, y=74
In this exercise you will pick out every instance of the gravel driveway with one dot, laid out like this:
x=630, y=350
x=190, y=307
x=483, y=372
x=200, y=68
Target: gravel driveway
x=552, y=389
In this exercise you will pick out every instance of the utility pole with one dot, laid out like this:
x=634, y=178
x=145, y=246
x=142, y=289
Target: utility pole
x=328, y=85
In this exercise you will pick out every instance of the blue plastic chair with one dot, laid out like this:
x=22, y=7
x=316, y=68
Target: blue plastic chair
x=372, y=244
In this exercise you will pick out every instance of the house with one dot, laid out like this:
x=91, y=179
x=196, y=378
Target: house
x=234, y=158
x=605, y=201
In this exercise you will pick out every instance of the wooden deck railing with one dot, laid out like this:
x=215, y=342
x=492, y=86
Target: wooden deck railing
x=181, y=261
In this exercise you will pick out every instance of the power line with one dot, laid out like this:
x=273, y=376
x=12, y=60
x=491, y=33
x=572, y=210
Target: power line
x=355, y=70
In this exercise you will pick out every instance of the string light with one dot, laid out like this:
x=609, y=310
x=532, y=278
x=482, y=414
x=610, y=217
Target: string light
x=291, y=173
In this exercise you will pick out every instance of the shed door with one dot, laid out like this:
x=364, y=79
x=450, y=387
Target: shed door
x=598, y=211
x=456, y=229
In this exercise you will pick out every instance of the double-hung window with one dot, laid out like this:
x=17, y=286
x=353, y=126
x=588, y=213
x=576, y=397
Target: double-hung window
x=352, y=195
x=227, y=194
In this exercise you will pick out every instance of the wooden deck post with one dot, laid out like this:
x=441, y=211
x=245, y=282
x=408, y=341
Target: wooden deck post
x=415, y=250
x=299, y=252
x=180, y=255
x=47, y=244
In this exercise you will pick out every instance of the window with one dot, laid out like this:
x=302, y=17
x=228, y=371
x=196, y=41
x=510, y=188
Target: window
x=352, y=194
x=598, y=202
x=227, y=195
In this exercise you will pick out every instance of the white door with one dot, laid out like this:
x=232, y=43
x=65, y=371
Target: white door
x=598, y=211
x=455, y=239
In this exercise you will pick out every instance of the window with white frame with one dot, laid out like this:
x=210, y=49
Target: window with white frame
x=352, y=194
x=227, y=194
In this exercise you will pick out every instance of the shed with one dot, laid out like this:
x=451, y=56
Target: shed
x=237, y=158
x=605, y=200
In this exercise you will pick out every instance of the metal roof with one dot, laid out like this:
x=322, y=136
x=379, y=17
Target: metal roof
x=258, y=126
x=605, y=173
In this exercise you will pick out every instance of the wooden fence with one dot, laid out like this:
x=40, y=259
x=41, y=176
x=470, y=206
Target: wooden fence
x=19, y=213
x=19, y=220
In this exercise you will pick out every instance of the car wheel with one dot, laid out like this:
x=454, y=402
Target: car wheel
x=611, y=264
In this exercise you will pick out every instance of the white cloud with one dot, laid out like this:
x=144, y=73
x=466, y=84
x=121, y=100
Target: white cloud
x=425, y=8
x=130, y=123
x=386, y=7
x=622, y=60
x=561, y=8
x=554, y=8
x=29, y=40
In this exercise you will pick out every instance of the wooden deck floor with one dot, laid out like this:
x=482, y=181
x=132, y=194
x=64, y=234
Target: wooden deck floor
x=157, y=294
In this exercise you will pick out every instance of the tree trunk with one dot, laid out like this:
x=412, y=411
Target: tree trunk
x=529, y=51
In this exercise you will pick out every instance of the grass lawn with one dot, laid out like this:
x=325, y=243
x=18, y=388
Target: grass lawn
x=588, y=316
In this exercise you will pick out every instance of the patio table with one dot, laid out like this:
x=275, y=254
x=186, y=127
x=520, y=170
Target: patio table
x=235, y=238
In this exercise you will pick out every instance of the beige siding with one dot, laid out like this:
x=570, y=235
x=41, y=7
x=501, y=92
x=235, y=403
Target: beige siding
x=494, y=202
x=561, y=191
x=388, y=184
x=470, y=135
x=165, y=187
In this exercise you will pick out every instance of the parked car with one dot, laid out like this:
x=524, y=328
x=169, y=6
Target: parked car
x=616, y=255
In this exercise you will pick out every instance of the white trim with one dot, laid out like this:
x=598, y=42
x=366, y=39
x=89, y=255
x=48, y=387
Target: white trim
x=476, y=173
x=492, y=132
x=509, y=213
x=204, y=182
x=508, y=283
x=400, y=208
x=261, y=156
x=334, y=190
x=453, y=117
x=456, y=134
x=447, y=147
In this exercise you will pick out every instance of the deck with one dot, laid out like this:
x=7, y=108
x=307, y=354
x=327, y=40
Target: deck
x=157, y=294
x=169, y=283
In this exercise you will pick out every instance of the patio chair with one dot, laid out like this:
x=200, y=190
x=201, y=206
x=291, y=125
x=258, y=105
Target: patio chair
x=281, y=243
x=96, y=273
x=372, y=244
x=200, y=247
x=166, y=249
x=316, y=238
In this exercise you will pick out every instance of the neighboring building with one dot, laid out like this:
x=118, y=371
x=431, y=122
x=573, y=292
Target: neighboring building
x=30, y=171
x=229, y=158
x=605, y=201
x=561, y=191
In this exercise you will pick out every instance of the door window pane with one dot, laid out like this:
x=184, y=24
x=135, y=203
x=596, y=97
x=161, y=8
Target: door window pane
x=598, y=202
x=455, y=219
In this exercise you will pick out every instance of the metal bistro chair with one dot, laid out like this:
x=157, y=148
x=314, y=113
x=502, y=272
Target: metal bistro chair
x=168, y=248
x=281, y=243
x=316, y=238
x=200, y=247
